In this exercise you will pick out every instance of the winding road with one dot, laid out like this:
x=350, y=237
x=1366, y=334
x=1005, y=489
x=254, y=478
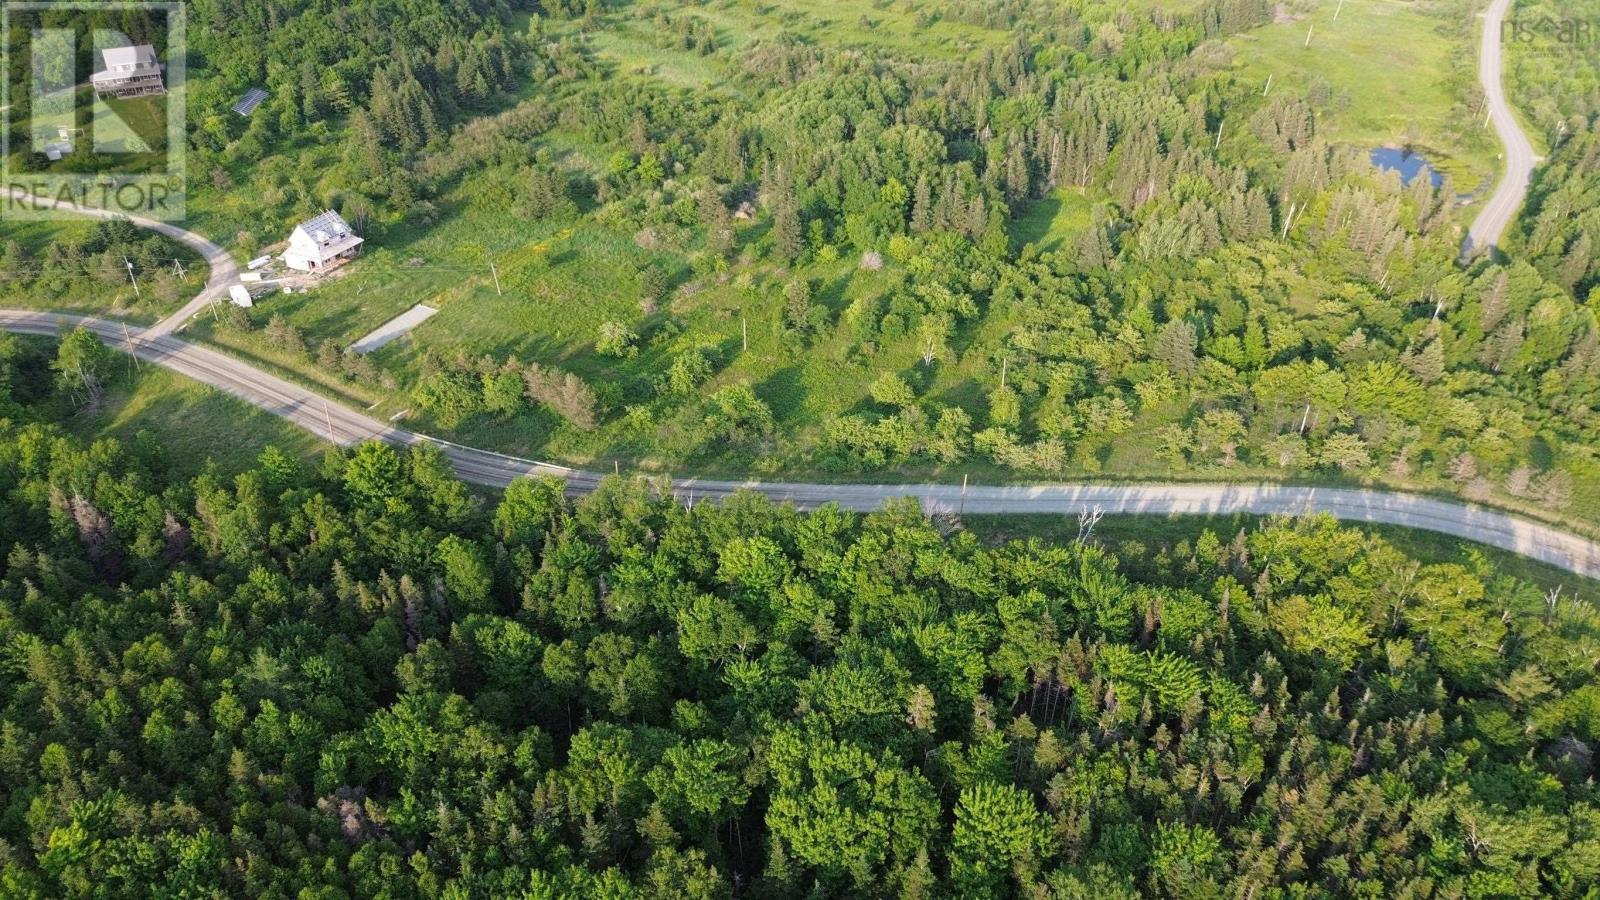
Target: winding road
x=224, y=270
x=1502, y=207
x=345, y=426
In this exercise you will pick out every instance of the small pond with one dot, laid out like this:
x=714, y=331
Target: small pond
x=1408, y=164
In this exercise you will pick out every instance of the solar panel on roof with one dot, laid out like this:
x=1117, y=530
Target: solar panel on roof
x=250, y=101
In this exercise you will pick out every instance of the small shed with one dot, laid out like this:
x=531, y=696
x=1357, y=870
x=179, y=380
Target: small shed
x=239, y=295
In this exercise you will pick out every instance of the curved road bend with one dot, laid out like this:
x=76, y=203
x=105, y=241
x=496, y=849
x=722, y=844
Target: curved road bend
x=1502, y=207
x=224, y=270
x=345, y=426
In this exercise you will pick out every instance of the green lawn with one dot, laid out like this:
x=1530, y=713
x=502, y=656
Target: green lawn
x=130, y=133
x=1399, y=72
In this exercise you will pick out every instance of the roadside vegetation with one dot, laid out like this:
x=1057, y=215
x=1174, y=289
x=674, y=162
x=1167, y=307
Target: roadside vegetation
x=85, y=268
x=177, y=427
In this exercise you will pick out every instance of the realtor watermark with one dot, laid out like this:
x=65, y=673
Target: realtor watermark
x=1552, y=30
x=92, y=108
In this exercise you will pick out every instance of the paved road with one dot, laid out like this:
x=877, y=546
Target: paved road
x=1502, y=207
x=224, y=270
x=345, y=426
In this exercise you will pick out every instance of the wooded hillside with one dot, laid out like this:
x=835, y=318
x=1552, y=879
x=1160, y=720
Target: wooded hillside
x=362, y=680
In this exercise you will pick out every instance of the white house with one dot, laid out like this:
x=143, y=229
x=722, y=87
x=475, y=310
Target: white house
x=129, y=72
x=321, y=242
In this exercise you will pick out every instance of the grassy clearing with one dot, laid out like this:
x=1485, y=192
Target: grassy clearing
x=192, y=423
x=1161, y=535
x=853, y=23
x=632, y=48
x=1397, y=73
x=1054, y=220
x=630, y=38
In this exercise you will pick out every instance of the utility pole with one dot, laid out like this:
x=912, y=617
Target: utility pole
x=128, y=339
x=744, y=331
x=1268, y=89
x=1305, y=419
x=129, y=263
x=1004, y=363
x=1338, y=9
x=963, y=509
x=1309, y=29
x=328, y=415
x=496, y=273
x=1218, y=144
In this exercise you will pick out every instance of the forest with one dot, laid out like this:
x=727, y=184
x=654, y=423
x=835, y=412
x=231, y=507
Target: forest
x=356, y=678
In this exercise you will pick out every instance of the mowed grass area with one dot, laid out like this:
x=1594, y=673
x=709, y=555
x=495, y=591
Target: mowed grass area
x=1400, y=72
x=193, y=424
x=130, y=132
x=1163, y=534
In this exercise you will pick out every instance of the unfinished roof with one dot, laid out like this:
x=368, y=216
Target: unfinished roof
x=326, y=227
x=248, y=103
x=323, y=236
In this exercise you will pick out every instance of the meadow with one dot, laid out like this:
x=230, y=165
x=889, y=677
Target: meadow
x=1391, y=72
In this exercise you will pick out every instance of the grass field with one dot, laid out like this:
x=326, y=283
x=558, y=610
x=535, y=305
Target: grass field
x=631, y=40
x=192, y=423
x=133, y=131
x=1398, y=72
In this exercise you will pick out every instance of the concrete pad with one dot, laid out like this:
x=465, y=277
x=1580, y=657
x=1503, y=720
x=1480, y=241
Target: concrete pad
x=394, y=328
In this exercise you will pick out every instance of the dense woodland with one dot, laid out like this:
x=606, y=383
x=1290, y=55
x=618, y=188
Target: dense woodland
x=360, y=679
